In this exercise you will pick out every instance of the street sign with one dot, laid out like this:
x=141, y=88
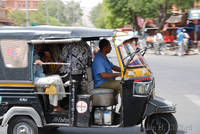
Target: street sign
x=194, y=14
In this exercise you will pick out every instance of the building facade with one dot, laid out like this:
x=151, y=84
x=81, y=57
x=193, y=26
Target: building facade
x=4, y=17
x=21, y=4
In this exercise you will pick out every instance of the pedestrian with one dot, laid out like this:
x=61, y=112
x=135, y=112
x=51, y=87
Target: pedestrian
x=180, y=38
x=158, y=40
x=168, y=38
x=186, y=41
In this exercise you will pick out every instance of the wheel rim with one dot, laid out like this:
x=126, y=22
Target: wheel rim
x=22, y=128
x=160, y=126
x=163, y=51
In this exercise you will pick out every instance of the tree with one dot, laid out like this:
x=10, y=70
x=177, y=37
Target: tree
x=39, y=16
x=125, y=12
x=164, y=7
x=98, y=16
x=73, y=13
x=18, y=17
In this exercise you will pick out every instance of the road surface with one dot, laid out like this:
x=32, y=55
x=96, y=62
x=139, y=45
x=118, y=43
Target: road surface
x=177, y=80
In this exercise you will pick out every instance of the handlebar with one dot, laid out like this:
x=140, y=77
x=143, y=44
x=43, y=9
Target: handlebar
x=54, y=63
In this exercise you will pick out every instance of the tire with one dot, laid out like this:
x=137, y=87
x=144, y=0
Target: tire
x=22, y=125
x=161, y=124
x=163, y=50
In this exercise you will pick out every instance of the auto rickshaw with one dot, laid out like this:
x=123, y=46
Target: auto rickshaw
x=25, y=109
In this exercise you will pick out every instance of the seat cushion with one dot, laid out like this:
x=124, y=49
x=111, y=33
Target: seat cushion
x=103, y=97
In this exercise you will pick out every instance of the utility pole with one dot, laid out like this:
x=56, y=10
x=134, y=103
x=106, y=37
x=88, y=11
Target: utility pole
x=27, y=14
x=47, y=13
x=58, y=11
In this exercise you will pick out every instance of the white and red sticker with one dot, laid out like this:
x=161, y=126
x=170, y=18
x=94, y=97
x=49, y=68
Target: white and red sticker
x=81, y=106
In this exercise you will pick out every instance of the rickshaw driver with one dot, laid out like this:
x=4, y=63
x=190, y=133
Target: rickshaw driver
x=41, y=79
x=102, y=69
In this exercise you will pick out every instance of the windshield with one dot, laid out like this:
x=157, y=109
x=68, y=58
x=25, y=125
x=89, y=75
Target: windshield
x=128, y=49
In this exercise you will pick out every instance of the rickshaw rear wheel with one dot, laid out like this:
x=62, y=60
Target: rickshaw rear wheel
x=22, y=125
x=161, y=124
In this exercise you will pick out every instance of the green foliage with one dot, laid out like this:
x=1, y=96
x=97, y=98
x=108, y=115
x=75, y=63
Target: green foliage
x=70, y=14
x=103, y=17
x=124, y=12
x=38, y=17
x=97, y=17
x=18, y=17
x=73, y=13
x=184, y=4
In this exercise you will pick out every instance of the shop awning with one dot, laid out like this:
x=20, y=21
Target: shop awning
x=174, y=19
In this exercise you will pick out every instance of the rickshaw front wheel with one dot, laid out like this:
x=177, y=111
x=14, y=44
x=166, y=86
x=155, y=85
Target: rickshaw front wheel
x=161, y=124
x=22, y=125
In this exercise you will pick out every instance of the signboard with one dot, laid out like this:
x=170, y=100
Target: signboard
x=194, y=14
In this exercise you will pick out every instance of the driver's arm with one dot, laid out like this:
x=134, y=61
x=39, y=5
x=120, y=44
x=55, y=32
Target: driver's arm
x=116, y=68
x=109, y=75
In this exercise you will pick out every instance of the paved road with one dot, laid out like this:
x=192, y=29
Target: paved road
x=177, y=79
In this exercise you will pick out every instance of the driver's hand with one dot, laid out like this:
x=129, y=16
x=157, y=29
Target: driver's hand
x=119, y=75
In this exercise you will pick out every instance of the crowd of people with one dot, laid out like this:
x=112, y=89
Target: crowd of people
x=179, y=43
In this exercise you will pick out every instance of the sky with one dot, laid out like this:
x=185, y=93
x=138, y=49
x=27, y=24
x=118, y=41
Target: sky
x=86, y=6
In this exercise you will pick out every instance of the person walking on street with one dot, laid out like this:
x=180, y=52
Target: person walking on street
x=180, y=38
x=158, y=40
x=186, y=41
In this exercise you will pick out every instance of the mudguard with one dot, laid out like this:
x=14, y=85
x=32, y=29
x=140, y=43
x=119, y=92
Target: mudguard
x=24, y=111
x=159, y=105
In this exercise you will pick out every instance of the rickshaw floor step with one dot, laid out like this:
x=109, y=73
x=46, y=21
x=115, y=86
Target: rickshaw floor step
x=57, y=117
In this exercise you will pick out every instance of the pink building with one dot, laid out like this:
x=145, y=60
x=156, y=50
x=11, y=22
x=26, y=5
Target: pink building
x=4, y=17
x=21, y=4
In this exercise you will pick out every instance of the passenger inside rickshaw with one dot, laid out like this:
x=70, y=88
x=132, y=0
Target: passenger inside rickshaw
x=76, y=53
x=80, y=56
x=53, y=83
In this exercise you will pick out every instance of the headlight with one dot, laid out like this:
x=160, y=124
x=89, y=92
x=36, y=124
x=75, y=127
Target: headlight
x=142, y=88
